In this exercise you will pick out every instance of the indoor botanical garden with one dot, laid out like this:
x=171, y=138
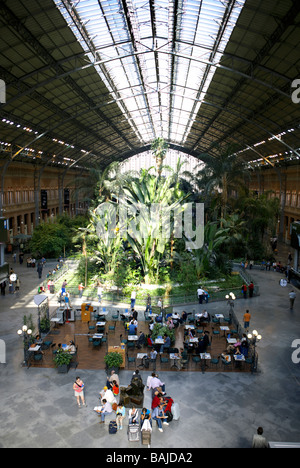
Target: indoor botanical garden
x=149, y=226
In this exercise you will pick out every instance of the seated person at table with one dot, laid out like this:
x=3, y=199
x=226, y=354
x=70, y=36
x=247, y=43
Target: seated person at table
x=141, y=340
x=151, y=324
x=167, y=344
x=71, y=347
x=183, y=316
x=170, y=323
x=149, y=341
x=203, y=343
x=225, y=357
x=132, y=328
x=153, y=354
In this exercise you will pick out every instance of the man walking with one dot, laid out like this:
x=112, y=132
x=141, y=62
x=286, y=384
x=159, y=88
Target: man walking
x=247, y=317
x=292, y=296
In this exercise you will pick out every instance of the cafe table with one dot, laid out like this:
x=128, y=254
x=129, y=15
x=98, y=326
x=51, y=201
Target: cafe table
x=189, y=327
x=132, y=337
x=231, y=340
x=225, y=328
x=97, y=336
x=34, y=348
x=204, y=357
x=174, y=357
x=238, y=359
x=141, y=357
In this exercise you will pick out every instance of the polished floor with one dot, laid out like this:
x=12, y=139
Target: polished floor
x=217, y=409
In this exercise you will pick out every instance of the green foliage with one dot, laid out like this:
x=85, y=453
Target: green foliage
x=113, y=360
x=62, y=358
x=161, y=330
x=49, y=240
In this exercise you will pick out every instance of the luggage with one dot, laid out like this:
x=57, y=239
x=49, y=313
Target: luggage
x=175, y=411
x=133, y=432
x=112, y=428
x=169, y=415
x=146, y=432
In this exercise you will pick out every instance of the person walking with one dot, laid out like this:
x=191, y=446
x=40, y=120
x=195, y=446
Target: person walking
x=258, y=440
x=132, y=299
x=80, y=290
x=247, y=317
x=292, y=296
x=78, y=387
x=251, y=289
x=40, y=269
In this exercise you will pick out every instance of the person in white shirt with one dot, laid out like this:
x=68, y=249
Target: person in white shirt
x=107, y=395
x=200, y=294
x=133, y=298
x=106, y=409
x=155, y=383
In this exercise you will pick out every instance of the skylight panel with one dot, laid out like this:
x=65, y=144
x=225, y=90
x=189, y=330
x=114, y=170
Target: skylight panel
x=158, y=82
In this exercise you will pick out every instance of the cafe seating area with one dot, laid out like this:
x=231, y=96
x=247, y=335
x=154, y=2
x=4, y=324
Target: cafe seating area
x=105, y=330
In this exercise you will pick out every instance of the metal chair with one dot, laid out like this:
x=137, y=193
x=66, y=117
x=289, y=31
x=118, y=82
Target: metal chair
x=163, y=360
x=214, y=362
x=196, y=360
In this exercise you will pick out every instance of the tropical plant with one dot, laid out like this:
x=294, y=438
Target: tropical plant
x=222, y=173
x=113, y=360
x=159, y=149
x=62, y=358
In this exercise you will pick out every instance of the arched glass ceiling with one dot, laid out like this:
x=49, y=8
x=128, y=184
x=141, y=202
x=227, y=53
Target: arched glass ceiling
x=146, y=160
x=156, y=57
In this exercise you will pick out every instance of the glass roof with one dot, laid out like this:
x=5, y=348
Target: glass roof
x=157, y=63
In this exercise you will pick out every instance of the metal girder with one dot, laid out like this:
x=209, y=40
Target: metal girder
x=45, y=55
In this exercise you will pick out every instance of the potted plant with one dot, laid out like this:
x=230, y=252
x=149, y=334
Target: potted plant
x=113, y=361
x=45, y=324
x=62, y=361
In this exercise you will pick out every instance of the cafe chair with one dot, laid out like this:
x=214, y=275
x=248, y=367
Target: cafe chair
x=38, y=357
x=216, y=333
x=216, y=320
x=130, y=345
x=112, y=328
x=226, y=364
x=96, y=343
x=116, y=316
x=163, y=360
x=196, y=360
x=46, y=344
x=131, y=360
x=215, y=362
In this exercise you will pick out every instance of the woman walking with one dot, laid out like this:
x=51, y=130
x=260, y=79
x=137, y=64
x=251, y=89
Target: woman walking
x=78, y=387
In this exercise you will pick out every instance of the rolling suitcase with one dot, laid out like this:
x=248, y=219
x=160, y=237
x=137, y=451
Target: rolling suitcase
x=146, y=432
x=133, y=432
x=112, y=428
x=175, y=411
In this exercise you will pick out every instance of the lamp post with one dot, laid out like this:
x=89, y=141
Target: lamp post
x=25, y=332
x=255, y=337
x=230, y=301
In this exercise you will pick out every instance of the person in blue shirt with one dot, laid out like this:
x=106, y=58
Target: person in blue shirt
x=132, y=328
x=159, y=416
x=167, y=344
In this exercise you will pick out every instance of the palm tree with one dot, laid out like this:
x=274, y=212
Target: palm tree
x=159, y=149
x=221, y=174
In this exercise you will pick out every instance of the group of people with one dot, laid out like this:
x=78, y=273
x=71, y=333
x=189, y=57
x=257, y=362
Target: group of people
x=109, y=403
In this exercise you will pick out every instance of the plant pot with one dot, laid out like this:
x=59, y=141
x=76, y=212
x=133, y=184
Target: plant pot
x=63, y=369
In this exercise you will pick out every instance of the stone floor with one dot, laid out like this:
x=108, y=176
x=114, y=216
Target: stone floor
x=218, y=410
